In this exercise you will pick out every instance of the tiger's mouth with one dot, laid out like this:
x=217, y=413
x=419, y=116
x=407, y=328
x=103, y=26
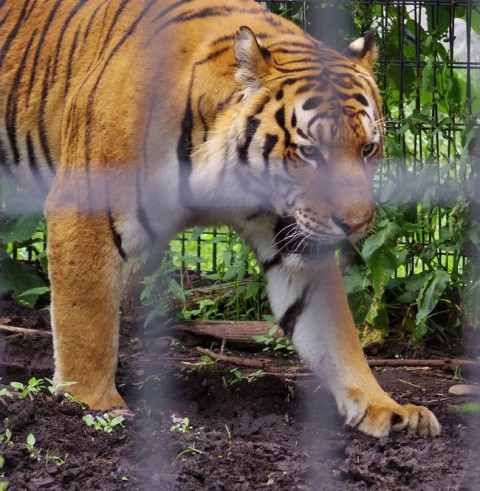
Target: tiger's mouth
x=291, y=239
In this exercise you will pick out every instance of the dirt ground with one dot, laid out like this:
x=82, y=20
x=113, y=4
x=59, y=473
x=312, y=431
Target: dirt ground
x=278, y=432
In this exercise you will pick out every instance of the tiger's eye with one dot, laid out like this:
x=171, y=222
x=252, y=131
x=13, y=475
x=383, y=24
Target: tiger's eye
x=369, y=149
x=309, y=150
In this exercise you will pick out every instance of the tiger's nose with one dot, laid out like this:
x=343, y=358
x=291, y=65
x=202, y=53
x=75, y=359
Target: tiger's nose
x=351, y=226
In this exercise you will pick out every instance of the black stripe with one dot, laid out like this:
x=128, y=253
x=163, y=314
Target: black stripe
x=117, y=238
x=298, y=60
x=117, y=15
x=169, y=9
x=292, y=314
x=276, y=260
x=71, y=54
x=296, y=44
x=4, y=19
x=205, y=13
x=92, y=18
x=312, y=103
x=270, y=142
x=32, y=158
x=3, y=156
x=142, y=213
x=33, y=164
x=298, y=70
x=361, y=99
x=202, y=118
x=42, y=131
x=302, y=134
x=13, y=34
x=12, y=104
x=184, y=149
x=213, y=55
x=252, y=126
x=58, y=48
x=280, y=119
x=293, y=120
x=46, y=27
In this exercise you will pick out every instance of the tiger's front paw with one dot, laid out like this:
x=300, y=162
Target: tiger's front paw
x=379, y=415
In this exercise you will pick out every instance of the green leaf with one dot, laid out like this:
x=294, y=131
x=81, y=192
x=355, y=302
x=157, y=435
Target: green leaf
x=430, y=294
x=39, y=290
x=17, y=277
x=31, y=440
x=388, y=233
x=19, y=229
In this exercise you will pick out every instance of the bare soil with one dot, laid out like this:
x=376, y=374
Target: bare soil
x=278, y=432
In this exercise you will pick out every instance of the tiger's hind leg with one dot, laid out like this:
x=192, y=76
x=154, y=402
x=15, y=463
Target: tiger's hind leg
x=84, y=269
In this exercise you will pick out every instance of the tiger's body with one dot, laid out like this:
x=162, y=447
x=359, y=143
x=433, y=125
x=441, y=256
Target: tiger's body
x=140, y=118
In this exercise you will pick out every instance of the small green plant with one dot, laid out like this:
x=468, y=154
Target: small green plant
x=30, y=445
x=181, y=425
x=6, y=393
x=251, y=377
x=229, y=433
x=237, y=376
x=7, y=436
x=189, y=450
x=106, y=423
x=56, y=459
x=275, y=343
x=34, y=386
x=206, y=363
x=3, y=484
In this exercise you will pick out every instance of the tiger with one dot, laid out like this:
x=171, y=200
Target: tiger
x=136, y=119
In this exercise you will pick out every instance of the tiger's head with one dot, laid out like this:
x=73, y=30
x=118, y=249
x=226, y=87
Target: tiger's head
x=311, y=128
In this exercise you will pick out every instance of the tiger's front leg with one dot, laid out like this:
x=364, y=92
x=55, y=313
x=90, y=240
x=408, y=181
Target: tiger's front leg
x=310, y=304
x=84, y=269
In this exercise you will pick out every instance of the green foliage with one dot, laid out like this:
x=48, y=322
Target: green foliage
x=3, y=484
x=238, y=375
x=108, y=422
x=244, y=299
x=273, y=342
x=191, y=449
x=181, y=426
x=6, y=437
x=30, y=445
x=34, y=386
x=21, y=231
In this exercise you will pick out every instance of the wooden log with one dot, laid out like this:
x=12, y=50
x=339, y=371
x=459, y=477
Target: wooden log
x=234, y=331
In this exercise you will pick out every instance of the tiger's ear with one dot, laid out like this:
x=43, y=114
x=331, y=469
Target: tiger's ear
x=254, y=61
x=363, y=51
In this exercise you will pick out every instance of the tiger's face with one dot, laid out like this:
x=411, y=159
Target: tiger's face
x=316, y=132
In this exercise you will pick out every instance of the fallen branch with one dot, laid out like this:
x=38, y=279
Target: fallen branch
x=260, y=364
x=445, y=363
x=23, y=330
